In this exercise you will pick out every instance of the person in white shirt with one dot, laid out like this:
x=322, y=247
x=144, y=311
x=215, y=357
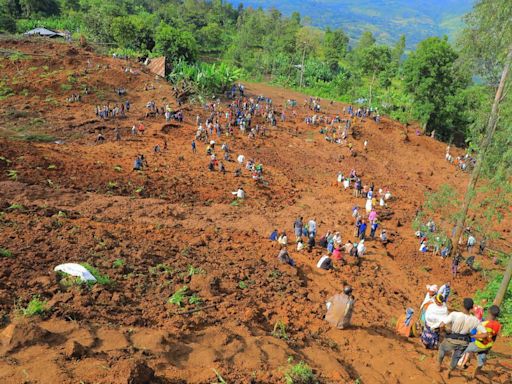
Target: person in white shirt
x=240, y=193
x=241, y=159
x=435, y=313
x=312, y=227
x=457, y=339
x=431, y=293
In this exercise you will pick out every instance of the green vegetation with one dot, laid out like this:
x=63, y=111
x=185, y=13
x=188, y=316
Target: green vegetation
x=16, y=207
x=178, y=298
x=486, y=296
x=161, y=268
x=118, y=263
x=100, y=279
x=195, y=271
x=5, y=252
x=280, y=330
x=300, y=373
x=36, y=306
x=12, y=174
x=242, y=285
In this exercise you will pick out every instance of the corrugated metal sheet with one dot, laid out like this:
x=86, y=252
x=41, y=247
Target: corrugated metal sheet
x=44, y=32
x=157, y=66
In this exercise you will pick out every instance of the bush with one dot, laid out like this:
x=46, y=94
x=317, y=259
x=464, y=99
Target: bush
x=300, y=373
x=36, y=306
x=5, y=252
x=178, y=298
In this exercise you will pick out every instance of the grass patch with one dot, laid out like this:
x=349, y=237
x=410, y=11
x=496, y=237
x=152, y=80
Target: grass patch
x=12, y=174
x=118, y=263
x=178, y=298
x=35, y=307
x=161, y=268
x=195, y=299
x=100, y=279
x=243, y=285
x=300, y=373
x=66, y=87
x=118, y=168
x=195, y=271
x=16, y=207
x=5, y=252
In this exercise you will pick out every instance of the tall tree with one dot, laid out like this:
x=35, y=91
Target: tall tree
x=365, y=40
x=433, y=79
x=486, y=44
x=175, y=44
x=335, y=47
x=32, y=8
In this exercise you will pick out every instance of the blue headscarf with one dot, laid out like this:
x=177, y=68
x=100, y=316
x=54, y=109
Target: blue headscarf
x=408, y=316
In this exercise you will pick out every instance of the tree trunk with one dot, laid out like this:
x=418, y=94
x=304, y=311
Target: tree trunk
x=500, y=295
x=302, y=66
x=371, y=88
x=484, y=145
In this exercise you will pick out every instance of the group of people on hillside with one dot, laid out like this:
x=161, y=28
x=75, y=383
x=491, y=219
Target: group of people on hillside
x=464, y=163
x=466, y=333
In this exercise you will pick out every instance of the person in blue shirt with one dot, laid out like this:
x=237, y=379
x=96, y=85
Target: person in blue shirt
x=373, y=229
x=362, y=230
x=274, y=235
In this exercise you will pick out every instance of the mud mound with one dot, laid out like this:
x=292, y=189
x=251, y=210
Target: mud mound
x=23, y=334
x=131, y=372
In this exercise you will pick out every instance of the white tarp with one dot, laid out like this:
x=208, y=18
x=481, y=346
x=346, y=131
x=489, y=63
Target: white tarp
x=77, y=270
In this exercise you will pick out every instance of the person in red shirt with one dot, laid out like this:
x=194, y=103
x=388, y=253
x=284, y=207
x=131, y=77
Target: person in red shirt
x=486, y=335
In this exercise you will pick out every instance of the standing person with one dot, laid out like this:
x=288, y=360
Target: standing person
x=297, y=228
x=461, y=324
x=455, y=264
x=194, y=146
x=312, y=227
x=373, y=229
x=340, y=308
x=486, y=335
x=362, y=230
x=117, y=134
x=471, y=243
x=435, y=312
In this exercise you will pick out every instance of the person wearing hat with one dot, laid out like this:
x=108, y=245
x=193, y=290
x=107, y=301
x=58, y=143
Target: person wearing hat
x=340, y=308
x=435, y=312
x=431, y=293
x=458, y=337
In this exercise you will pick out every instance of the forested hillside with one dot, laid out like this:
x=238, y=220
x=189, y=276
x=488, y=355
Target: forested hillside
x=387, y=20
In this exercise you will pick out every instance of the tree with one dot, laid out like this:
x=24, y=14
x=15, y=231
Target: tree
x=335, y=47
x=308, y=42
x=134, y=32
x=175, y=44
x=486, y=45
x=433, y=79
x=365, y=40
x=373, y=60
x=7, y=22
x=398, y=50
x=31, y=8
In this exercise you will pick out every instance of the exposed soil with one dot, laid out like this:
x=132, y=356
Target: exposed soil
x=83, y=203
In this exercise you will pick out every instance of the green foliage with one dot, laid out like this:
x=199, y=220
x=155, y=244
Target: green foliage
x=195, y=300
x=16, y=207
x=280, y=330
x=100, y=279
x=178, y=298
x=12, y=174
x=195, y=271
x=242, y=285
x=300, y=373
x=34, y=8
x=36, y=306
x=118, y=263
x=5, y=252
x=175, y=44
x=487, y=296
x=205, y=79
x=7, y=21
x=161, y=268
x=433, y=79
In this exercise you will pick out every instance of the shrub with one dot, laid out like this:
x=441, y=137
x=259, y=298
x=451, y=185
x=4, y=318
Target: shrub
x=118, y=263
x=36, y=306
x=5, y=252
x=300, y=373
x=178, y=298
x=194, y=271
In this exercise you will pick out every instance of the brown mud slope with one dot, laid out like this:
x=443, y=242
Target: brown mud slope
x=174, y=225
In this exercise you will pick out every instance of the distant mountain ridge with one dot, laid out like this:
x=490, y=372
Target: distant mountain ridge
x=387, y=19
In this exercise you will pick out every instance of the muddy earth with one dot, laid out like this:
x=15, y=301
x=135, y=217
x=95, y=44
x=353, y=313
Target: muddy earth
x=176, y=224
